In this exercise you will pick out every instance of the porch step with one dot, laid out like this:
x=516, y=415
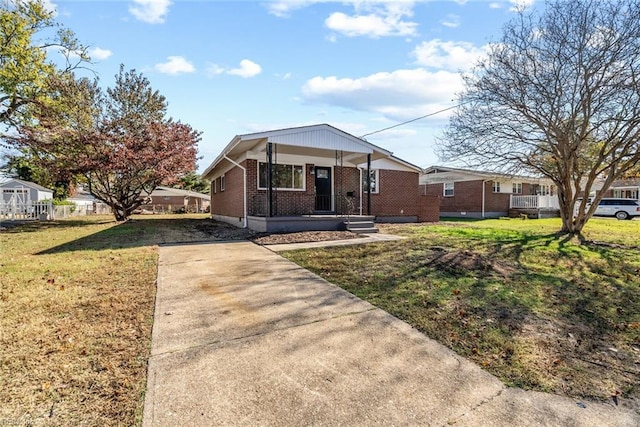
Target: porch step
x=362, y=227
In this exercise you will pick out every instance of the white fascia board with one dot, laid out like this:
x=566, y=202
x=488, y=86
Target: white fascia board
x=391, y=163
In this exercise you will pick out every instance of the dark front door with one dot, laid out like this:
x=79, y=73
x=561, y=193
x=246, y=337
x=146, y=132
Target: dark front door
x=323, y=189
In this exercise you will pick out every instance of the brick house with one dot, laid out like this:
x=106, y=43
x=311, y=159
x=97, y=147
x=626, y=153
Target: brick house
x=478, y=194
x=312, y=178
x=167, y=199
x=625, y=189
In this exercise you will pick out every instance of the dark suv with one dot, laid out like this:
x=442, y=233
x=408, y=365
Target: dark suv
x=619, y=208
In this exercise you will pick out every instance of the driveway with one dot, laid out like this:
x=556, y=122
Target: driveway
x=243, y=337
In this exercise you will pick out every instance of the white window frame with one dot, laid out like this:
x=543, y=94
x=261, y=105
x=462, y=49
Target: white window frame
x=516, y=188
x=448, y=187
x=375, y=178
x=292, y=165
x=495, y=186
x=222, y=182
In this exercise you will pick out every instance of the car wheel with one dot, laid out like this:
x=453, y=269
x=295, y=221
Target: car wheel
x=622, y=215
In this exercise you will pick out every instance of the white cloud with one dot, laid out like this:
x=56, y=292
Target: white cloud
x=99, y=54
x=150, y=11
x=372, y=18
x=452, y=21
x=375, y=19
x=50, y=6
x=398, y=95
x=495, y=5
x=518, y=5
x=448, y=55
x=175, y=65
x=283, y=8
x=247, y=69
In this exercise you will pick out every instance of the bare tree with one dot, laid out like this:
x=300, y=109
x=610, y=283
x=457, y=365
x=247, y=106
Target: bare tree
x=558, y=95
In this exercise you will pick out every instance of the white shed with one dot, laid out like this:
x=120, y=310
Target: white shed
x=23, y=191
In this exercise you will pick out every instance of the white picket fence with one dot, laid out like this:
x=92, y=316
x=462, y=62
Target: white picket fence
x=14, y=210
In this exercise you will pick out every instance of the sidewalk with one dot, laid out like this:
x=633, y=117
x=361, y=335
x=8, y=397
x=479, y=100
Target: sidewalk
x=244, y=337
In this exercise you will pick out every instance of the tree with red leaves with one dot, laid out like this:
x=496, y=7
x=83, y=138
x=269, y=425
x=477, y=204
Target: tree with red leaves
x=120, y=143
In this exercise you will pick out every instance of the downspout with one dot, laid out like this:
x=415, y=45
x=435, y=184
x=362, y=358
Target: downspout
x=244, y=194
x=483, y=195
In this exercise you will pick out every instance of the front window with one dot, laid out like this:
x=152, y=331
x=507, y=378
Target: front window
x=448, y=189
x=496, y=187
x=373, y=179
x=285, y=177
x=222, y=183
x=517, y=188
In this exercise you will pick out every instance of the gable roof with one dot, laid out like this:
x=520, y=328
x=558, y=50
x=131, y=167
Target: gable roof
x=312, y=140
x=16, y=183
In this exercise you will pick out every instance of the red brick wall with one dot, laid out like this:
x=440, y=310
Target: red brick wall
x=286, y=202
x=398, y=194
x=229, y=202
x=496, y=202
x=429, y=209
x=467, y=197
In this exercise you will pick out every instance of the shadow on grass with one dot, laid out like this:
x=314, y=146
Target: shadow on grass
x=481, y=293
x=140, y=232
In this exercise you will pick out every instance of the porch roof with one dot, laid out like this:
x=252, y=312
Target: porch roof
x=320, y=140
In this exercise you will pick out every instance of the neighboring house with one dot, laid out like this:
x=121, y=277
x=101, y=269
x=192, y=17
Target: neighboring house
x=312, y=177
x=84, y=203
x=167, y=199
x=14, y=189
x=625, y=188
x=478, y=194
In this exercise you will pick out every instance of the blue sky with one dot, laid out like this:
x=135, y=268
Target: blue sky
x=235, y=67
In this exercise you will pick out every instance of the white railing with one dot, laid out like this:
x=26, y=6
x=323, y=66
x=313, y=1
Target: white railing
x=534, y=202
x=14, y=210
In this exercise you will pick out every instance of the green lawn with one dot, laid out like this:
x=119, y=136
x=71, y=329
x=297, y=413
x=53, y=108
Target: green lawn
x=539, y=311
x=76, y=298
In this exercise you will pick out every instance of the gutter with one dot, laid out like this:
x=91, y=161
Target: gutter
x=244, y=192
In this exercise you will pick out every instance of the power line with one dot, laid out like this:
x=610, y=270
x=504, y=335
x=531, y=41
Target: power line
x=416, y=119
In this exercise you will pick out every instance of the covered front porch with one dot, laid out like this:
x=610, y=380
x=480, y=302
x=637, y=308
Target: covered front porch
x=534, y=206
x=296, y=223
x=308, y=178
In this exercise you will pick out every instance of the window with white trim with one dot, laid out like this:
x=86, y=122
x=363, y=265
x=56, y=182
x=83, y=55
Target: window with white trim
x=496, y=186
x=222, y=183
x=285, y=177
x=374, y=179
x=448, y=189
x=517, y=188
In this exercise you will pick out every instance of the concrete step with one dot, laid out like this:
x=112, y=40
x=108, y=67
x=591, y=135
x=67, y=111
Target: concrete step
x=361, y=226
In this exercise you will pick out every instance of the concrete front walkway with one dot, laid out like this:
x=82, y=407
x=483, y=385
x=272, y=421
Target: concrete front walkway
x=244, y=337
